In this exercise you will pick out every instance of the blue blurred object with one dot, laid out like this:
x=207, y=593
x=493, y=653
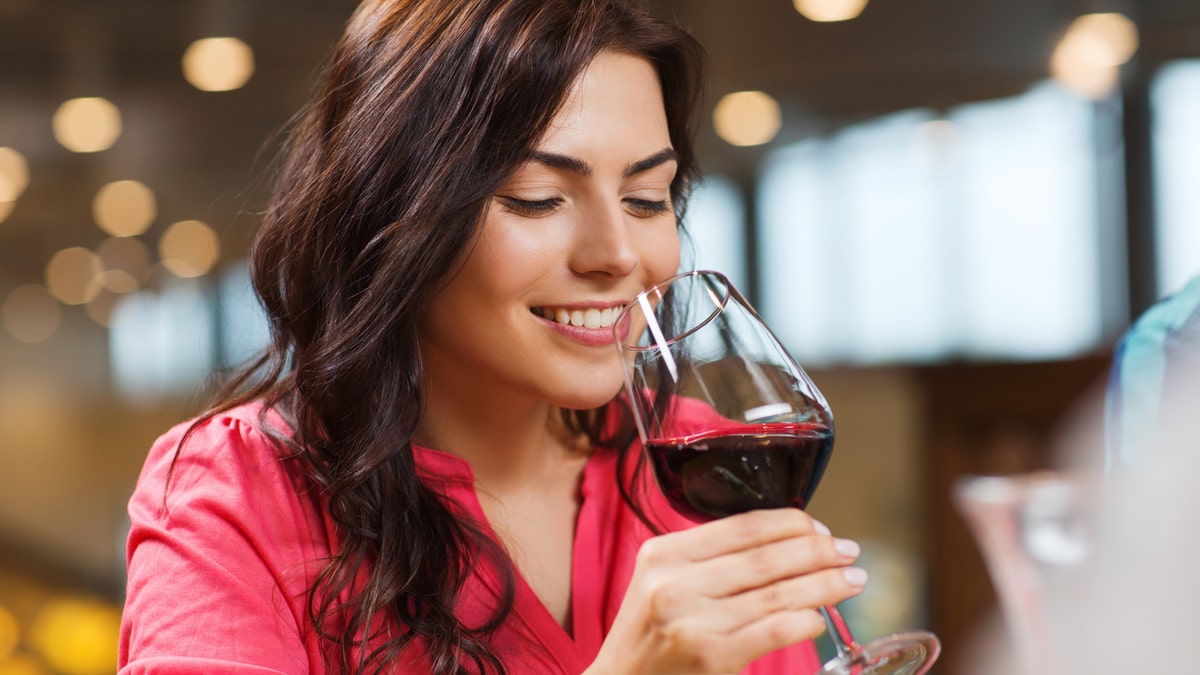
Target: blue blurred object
x=1155, y=375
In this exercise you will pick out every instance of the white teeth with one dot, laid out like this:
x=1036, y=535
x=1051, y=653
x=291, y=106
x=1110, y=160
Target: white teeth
x=581, y=318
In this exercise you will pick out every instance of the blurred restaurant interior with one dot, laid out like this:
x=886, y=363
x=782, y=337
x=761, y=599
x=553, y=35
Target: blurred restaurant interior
x=949, y=210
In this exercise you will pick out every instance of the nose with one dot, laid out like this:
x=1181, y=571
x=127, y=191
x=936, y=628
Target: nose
x=604, y=244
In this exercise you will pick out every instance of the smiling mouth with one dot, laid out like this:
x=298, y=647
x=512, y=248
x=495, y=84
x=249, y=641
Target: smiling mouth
x=580, y=318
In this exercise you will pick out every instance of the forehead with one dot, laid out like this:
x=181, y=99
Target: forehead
x=616, y=99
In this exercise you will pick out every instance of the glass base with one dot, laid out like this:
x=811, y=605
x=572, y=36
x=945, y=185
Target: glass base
x=903, y=654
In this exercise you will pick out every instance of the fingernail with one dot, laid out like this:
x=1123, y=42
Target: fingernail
x=846, y=547
x=820, y=527
x=855, y=576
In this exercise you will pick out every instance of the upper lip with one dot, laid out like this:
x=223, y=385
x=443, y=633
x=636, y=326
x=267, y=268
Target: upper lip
x=601, y=304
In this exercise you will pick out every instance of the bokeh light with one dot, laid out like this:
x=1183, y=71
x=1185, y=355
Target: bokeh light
x=1088, y=58
x=830, y=10
x=10, y=633
x=6, y=209
x=31, y=315
x=22, y=665
x=77, y=637
x=73, y=275
x=189, y=249
x=14, y=174
x=125, y=208
x=87, y=124
x=218, y=64
x=747, y=118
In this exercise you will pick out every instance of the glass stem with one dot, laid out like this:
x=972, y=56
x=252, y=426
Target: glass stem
x=839, y=632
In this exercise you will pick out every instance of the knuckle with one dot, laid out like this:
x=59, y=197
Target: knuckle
x=772, y=598
x=752, y=525
x=651, y=553
x=761, y=563
x=662, y=597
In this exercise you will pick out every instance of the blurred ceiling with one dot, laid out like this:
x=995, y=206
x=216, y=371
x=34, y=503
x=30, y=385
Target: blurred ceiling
x=206, y=155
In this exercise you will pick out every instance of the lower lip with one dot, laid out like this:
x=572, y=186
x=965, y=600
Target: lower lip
x=592, y=337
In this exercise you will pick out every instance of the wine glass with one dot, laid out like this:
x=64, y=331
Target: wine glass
x=730, y=423
x=1037, y=532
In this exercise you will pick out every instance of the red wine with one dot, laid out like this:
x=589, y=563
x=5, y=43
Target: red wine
x=726, y=471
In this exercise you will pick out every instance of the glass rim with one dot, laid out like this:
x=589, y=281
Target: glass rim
x=729, y=294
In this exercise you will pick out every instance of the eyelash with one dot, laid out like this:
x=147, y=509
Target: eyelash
x=647, y=207
x=530, y=208
x=541, y=207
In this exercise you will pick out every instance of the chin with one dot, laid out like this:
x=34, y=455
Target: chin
x=589, y=397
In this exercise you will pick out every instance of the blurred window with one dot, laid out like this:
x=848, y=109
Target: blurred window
x=715, y=230
x=912, y=237
x=243, y=323
x=161, y=343
x=1175, y=102
x=166, y=343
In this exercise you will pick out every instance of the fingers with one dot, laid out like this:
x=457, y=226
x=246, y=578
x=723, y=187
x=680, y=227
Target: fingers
x=788, y=572
x=774, y=630
x=746, y=531
x=782, y=559
x=789, y=596
x=714, y=598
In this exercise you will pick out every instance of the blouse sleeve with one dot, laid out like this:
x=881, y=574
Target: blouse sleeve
x=219, y=557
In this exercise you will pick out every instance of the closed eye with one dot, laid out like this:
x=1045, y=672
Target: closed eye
x=530, y=207
x=647, y=208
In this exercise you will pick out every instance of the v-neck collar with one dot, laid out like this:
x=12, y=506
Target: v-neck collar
x=454, y=480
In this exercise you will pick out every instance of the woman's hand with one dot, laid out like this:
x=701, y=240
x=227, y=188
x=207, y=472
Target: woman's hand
x=716, y=597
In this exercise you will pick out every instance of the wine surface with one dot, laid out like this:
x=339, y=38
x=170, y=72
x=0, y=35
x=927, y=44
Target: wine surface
x=727, y=471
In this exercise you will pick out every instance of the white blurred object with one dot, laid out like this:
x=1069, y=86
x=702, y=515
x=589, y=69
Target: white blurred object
x=1035, y=531
x=1095, y=573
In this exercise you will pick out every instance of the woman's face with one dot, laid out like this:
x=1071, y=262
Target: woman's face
x=575, y=233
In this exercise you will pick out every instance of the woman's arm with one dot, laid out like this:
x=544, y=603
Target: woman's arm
x=216, y=573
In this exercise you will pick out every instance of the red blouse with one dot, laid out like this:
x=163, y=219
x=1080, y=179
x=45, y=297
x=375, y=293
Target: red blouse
x=219, y=569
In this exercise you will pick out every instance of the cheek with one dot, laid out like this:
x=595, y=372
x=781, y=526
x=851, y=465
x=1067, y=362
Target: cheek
x=509, y=257
x=661, y=254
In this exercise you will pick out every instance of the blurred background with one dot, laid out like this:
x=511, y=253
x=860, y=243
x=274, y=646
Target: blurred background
x=949, y=210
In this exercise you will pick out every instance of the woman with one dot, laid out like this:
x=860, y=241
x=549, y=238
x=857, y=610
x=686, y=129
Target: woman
x=427, y=472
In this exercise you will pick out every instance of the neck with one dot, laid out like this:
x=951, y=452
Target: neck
x=510, y=442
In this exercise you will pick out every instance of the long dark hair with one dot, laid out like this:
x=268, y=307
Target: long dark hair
x=425, y=108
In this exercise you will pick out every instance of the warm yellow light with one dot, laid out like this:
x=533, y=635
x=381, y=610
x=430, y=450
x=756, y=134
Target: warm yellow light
x=73, y=275
x=10, y=632
x=14, y=175
x=87, y=124
x=218, y=63
x=1088, y=57
x=747, y=118
x=125, y=254
x=830, y=10
x=101, y=308
x=189, y=249
x=1114, y=37
x=22, y=665
x=6, y=209
x=77, y=637
x=31, y=315
x=124, y=208
x=119, y=281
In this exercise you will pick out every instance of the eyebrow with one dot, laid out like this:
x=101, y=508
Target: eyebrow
x=576, y=165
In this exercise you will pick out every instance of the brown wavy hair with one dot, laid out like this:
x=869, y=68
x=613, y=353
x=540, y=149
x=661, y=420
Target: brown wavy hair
x=425, y=108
